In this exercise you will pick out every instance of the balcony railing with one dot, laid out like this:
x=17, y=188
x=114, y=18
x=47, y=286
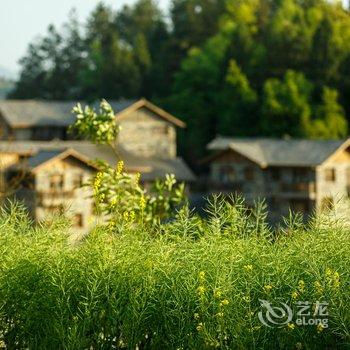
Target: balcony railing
x=299, y=187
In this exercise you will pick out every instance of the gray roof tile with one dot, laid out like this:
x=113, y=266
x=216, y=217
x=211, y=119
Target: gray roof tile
x=26, y=113
x=279, y=152
x=41, y=151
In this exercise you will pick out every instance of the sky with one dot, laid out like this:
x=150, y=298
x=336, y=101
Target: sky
x=22, y=20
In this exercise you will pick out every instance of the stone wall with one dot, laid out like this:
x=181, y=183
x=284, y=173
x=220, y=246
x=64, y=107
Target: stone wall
x=336, y=189
x=231, y=172
x=74, y=200
x=283, y=188
x=145, y=134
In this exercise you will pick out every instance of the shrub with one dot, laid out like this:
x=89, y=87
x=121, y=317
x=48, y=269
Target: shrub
x=117, y=193
x=186, y=284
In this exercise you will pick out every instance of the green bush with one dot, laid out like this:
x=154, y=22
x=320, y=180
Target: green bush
x=187, y=284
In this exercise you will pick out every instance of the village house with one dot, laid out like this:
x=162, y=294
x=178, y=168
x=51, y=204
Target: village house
x=42, y=165
x=302, y=175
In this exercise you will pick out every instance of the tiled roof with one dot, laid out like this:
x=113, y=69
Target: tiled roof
x=42, y=157
x=151, y=168
x=279, y=152
x=26, y=113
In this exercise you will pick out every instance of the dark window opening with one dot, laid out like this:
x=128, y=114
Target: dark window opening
x=227, y=174
x=77, y=220
x=330, y=175
x=78, y=180
x=56, y=182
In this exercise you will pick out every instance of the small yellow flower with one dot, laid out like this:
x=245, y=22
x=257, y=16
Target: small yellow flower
x=295, y=295
x=137, y=178
x=97, y=182
x=142, y=203
x=318, y=287
x=201, y=275
x=246, y=298
x=220, y=314
x=111, y=225
x=320, y=328
x=298, y=346
x=196, y=316
x=217, y=294
x=199, y=327
x=336, y=280
x=224, y=302
x=268, y=288
x=291, y=325
x=120, y=167
x=301, y=286
x=332, y=278
x=126, y=216
x=113, y=202
x=248, y=267
x=201, y=290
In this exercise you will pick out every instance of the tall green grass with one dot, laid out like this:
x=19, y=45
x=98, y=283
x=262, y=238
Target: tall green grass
x=187, y=284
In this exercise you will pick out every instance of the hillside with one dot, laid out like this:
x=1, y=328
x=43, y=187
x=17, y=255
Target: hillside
x=5, y=86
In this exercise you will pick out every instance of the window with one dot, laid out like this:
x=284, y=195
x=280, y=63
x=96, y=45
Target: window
x=47, y=133
x=77, y=220
x=78, y=180
x=55, y=209
x=327, y=203
x=56, y=182
x=249, y=173
x=330, y=175
x=227, y=174
x=161, y=129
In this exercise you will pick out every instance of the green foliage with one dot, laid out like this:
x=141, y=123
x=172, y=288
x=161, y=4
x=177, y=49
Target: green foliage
x=100, y=128
x=274, y=60
x=190, y=283
x=117, y=194
x=286, y=106
x=123, y=199
x=238, y=101
x=244, y=68
x=330, y=119
x=5, y=87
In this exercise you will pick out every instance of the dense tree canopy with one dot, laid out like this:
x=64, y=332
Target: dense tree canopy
x=241, y=67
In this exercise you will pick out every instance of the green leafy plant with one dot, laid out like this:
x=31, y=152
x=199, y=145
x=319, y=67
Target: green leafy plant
x=118, y=194
x=101, y=127
x=185, y=289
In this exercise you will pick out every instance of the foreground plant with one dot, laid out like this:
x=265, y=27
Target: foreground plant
x=118, y=194
x=201, y=285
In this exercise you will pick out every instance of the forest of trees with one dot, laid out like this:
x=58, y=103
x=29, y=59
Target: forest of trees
x=238, y=67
